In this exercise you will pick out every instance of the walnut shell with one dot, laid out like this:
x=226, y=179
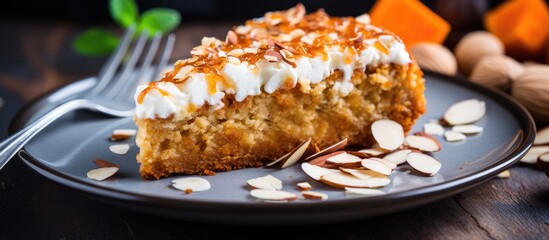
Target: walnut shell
x=474, y=46
x=532, y=89
x=496, y=71
x=435, y=57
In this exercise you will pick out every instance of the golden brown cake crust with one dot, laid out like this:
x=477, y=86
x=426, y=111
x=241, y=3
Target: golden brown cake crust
x=264, y=127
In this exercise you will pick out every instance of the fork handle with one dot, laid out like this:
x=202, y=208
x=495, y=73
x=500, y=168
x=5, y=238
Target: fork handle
x=11, y=146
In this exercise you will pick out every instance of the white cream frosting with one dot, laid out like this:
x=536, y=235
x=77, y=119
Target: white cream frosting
x=266, y=77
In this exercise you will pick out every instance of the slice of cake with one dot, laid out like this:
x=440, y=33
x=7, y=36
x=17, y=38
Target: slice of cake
x=271, y=84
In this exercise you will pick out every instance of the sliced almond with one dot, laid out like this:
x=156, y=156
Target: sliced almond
x=103, y=173
x=398, y=157
x=293, y=156
x=466, y=111
x=191, y=184
x=361, y=173
x=304, y=186
x=344, y=160
x=388, y=134
x=122, y=134
x=433, y=128
x=542, y=137
x=273, y=195
x=267, y=182
x=543, y=161
x=342, y=180
x=375, y=151
x=272, y=56
x=120, y=149
x=422, y=143
x=237, y=52
x=504, y=174
x=387, y=163
x=315, y=172
x=232, y=38
x=376, y=166
x=531, y=156
x=423, y=163
x=364, y=19
x=103, y=163
x=339, y=145
x=468, y=129
x=314, y=195
x=363, y=191
x=321, y=161
x=251, y=50
x=452, y=136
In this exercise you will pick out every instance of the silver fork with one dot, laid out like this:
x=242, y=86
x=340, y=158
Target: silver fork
x=111, y=96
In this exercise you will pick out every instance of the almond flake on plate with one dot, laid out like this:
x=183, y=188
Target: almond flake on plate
x=304, y=186
x=120, y=149
x=376, y=166
x=321, y=161
x=468, y=129
x=542, y=137
x=344, y=160
x=293, y=156
x=466, y=111
x=504, y=174
x=531, y=156
x=362, y=173
x=267, y=182
x=342, y=180
x=122, y=134
x=433, y=128
x=274, y=195
x=191, y=184
x=423, y=163
x=422, y=143
x=398, y=157
x=363, y=191
x=103, y=173
x=316, y=172
x=388, y=134
x=339, y=145
x=314, y=195
x=452, y=136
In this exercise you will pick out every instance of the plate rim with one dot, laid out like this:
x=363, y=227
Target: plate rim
x=410, y=198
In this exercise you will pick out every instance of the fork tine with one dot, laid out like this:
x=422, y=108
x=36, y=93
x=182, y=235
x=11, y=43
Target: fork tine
x=127, y=90
x=165, y=56
x=112, y=64
x=130, y=65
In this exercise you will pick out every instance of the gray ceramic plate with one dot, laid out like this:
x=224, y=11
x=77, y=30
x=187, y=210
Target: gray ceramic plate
x=64, y=153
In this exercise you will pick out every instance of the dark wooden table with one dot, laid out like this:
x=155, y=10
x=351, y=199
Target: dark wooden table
x=36, y=57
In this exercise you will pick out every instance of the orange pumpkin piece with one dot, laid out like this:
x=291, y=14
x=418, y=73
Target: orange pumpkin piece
x=411, y=20
x=522, y=25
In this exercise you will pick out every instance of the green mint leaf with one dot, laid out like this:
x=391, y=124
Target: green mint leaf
x=159, y=19
x=124, y=12
x=95, y=42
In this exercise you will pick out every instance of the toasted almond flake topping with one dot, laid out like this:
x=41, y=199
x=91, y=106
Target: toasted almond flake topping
x=237, y=52
x=363, y=191
x=504, y=174
x=272, y=56
x=122, y=134
x=103, y=163
x=433, y=128
x=388, y=134
x=339, y=145
x=103, y=173
x=466, y=111
x=120, y=149
x=314, y=195
x=452, y=136
x=364, y=19
x=422, y=143
x=531, y=156
x=243, y=30
x=304, y=186
x=315, y=172
x=376, y=166
x=221, y=54
x=267, y=182
x=274, y=195
x=398, y=157
x=423, y=163
x=297, y=33
x=191, y=184
x=233, y=60
x=542, y=136
x=232, y=38
x=467, y=129
x=251, y=50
